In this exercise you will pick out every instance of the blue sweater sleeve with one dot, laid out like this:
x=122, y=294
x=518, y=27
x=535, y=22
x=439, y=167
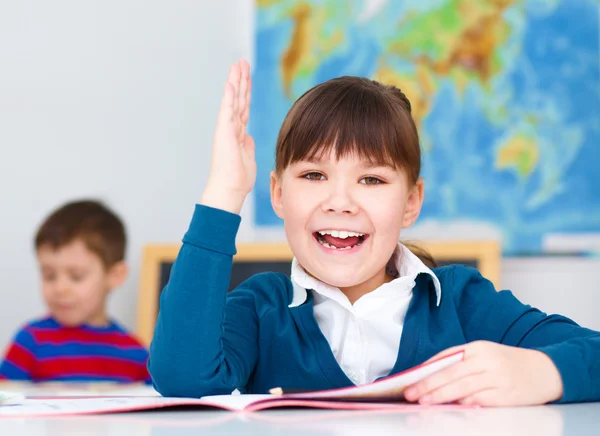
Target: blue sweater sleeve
x=501, y=317
x=20, y=357
x=205, y=341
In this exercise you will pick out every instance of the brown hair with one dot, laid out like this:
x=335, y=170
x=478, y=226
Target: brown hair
x=421, y=253
x=101, y=230
x=351, y=115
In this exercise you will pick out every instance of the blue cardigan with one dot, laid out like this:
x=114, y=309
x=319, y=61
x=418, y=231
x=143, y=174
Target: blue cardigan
x=208, y=341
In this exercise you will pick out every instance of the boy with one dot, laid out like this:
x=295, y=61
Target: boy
x=80, y=250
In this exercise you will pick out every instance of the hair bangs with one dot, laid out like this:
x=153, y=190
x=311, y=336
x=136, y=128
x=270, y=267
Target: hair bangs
x=350, y=116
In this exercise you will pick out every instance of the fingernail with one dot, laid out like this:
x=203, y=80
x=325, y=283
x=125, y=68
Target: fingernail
x=410, y=393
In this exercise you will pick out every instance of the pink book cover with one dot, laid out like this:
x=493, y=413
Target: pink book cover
x=384, y=394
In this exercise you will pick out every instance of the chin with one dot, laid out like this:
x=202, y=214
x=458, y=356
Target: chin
x=339, y=279
x=66, y=321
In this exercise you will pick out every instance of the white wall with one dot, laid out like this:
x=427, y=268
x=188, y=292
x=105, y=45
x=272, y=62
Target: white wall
x=117, y=100
x=569, y=286
x=110, y=99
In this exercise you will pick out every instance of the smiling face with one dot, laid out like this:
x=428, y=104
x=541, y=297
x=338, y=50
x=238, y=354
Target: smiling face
x=343, y=218
x=346, y=180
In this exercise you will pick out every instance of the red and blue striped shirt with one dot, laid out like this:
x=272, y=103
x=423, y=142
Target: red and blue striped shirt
x=44, y=350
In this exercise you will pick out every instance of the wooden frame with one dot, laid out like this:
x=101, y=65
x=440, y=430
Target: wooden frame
x=153, y=255
x=487, y=254
x=156, y=254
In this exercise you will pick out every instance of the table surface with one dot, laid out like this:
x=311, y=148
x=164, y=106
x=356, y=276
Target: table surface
x=575, y=419
x=570, y=419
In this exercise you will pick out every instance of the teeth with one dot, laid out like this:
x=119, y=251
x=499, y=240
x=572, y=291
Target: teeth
x=342, y=234
x=332, y=247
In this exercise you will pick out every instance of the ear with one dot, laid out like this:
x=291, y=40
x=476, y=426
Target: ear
x=117, y=274
x=276, y=200
x=413, y=204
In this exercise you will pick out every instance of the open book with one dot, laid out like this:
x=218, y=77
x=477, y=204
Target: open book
x=386, y=393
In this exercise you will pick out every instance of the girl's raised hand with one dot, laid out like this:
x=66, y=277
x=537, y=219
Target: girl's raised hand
x=233, y=166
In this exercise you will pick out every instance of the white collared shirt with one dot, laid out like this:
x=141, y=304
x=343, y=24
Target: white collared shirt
x=365, y=336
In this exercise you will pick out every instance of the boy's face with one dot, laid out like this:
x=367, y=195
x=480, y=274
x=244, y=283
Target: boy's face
x=75, y=283
x=343, y=218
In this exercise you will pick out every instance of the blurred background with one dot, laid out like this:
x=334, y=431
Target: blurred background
x=117, y=100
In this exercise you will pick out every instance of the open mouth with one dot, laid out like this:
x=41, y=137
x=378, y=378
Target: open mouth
x=340, y=239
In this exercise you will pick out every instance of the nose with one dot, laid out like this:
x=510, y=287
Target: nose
x=61, y=288
x=339, y=199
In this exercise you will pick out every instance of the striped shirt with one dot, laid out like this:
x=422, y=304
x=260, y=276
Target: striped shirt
x=44, y=350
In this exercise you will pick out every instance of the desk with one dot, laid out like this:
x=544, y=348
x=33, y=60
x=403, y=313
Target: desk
x=576, y=419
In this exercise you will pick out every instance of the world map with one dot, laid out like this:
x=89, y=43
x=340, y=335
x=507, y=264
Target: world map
x=505, y=93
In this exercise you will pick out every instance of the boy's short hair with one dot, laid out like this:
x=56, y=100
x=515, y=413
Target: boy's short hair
x=100, y=229
x=351, y=115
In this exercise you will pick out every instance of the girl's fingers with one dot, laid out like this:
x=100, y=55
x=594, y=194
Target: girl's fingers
x=234, y=105
x=226, y=111
x=243, y=85
x=242, y=99
x=246, y=111
x=459, y=389
x=485, y=397
x=234, y=79
x=225, y=131
x=441, y=378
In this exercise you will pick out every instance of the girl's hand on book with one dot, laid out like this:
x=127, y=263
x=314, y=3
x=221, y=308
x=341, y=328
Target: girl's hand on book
x=491, y=375
x=233, y=167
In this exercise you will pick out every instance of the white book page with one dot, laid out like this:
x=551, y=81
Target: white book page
x=80, y=406
x=392, y=386
x=234, y=402
x=76, y=406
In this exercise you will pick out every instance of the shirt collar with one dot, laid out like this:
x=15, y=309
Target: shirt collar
x=402, y=264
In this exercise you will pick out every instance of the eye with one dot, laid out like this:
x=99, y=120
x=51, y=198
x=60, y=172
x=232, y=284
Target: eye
x=48, y=277
x=314, y=176
x=370, y=180
x=77, y=277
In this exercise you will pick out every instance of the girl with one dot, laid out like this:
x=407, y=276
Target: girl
x=359, y=306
